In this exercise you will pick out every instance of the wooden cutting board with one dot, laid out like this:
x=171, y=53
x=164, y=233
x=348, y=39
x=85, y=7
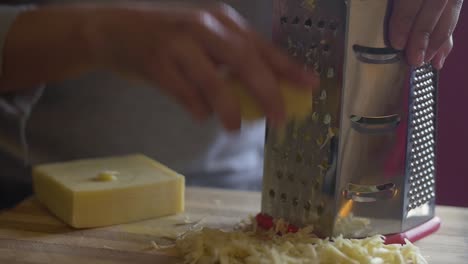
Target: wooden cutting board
x=30, y=235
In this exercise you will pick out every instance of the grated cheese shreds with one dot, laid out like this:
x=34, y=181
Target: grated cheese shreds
x=251, y=245
x=352, y=226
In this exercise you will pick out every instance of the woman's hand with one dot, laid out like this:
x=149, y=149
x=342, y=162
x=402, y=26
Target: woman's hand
x=183, y=49
x=423, y=28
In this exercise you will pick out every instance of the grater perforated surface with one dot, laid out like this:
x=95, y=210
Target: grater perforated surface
x=298, y=157
x=422, y=138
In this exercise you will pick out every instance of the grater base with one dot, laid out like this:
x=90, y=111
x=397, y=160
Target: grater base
x=416, y=233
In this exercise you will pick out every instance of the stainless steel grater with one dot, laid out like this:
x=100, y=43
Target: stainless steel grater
x=363, y=162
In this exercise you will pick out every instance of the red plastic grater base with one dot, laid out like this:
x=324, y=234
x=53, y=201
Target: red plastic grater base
x=416, y=233
x=266, y=222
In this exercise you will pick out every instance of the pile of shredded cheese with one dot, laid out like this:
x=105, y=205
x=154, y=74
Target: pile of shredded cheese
x=251, y=245
x=351, y=226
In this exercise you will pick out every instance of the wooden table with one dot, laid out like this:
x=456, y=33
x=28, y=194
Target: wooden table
x=29, y=234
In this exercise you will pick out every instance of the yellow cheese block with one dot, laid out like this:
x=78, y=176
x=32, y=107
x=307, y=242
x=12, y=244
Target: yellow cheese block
x=298, y=102
x=110, y=190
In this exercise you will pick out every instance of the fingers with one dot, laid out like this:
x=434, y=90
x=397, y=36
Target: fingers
x=201, y=72
x=285, y=68
x=244, y=61
x=439, y=58
x=421, y=33
x=261, y=80
x=444, y=29
x=208, y=40
x=403, y=16
x=282, y=66
x=423, y=27
x=173, y=82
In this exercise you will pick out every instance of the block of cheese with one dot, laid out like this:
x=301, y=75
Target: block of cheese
x=109, y=190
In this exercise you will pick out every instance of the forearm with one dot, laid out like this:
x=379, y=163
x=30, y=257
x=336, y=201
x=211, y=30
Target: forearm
x=46, y=45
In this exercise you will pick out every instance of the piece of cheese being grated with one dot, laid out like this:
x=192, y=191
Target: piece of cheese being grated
x=297, y=101
x=252, y=245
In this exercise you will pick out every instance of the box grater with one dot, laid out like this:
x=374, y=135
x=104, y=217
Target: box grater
x=363, y=162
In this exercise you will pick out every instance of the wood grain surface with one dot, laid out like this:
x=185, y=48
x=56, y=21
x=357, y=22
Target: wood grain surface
x=30, y=234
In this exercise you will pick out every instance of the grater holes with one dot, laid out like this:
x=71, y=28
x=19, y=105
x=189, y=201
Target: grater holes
x=283, y=198
x=422, y=75
x=320, y=208
x=333, y=25
x=330, y=72
x=291, y=177
x=304, y=39
x=284, y=20
x=299, y=157
x=321, y=24
x=325, y=46
x=423, y=89
x=308, y=23
x=422, y=139
x=279, y=174
x=318, y=69
x=272, y=193
x=316, y=185
x=295, y=201
x=327, y=119
x=296, y=20
x=424, y=106
x=423, y=133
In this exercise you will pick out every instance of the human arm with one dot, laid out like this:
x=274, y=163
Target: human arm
x=179, y=49
x=44, y=45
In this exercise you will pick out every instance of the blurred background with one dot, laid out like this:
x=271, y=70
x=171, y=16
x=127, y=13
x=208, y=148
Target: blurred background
x=452, y=178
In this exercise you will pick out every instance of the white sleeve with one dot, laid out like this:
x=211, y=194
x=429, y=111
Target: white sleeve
x=15, y=104
x=15, y=107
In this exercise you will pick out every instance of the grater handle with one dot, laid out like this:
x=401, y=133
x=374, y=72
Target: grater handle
x=376, y=55
x=371, y=125
x=372, y=193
